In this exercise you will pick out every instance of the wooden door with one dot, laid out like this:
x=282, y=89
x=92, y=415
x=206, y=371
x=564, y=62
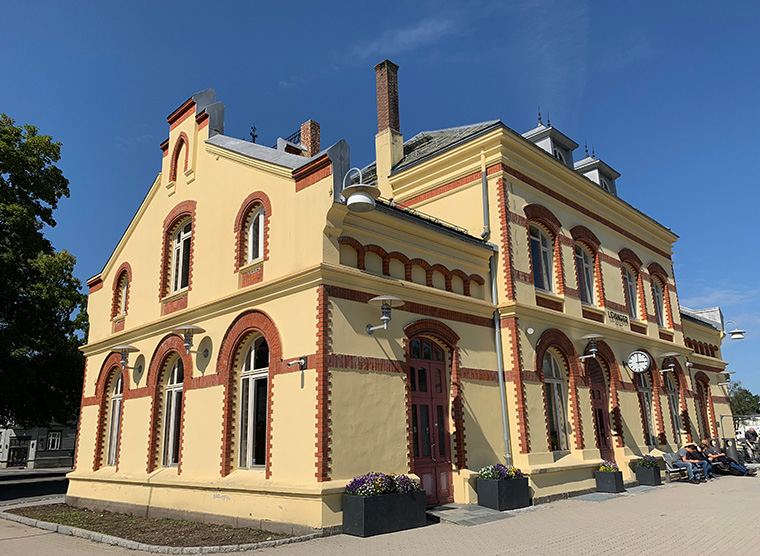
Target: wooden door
x=430, y=420
x=599, y=408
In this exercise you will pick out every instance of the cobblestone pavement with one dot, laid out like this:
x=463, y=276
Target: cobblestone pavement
x=710, y=517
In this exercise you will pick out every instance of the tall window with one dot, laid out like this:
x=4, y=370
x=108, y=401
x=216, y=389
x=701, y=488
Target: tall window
x=584, y=267
x=645, y=398
x=181, y=258
x=673, y=401
x=256, y=235
x=555, y=403
x=659, y=306
x=173, y=413
x=254, y=378
x=541, y=253
x=631, y=291
x=115, y=417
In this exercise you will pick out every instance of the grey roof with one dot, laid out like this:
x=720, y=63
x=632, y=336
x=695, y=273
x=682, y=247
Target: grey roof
x=712, y=316
x=538, y=133
x=589, y=163
x=259, y=152
x=427, y=143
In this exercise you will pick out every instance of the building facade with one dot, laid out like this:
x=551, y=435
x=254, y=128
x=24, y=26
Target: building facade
x=540, y=324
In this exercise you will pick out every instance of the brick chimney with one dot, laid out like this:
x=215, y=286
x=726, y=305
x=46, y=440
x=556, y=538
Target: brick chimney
x=389, y=142
x=310, y=137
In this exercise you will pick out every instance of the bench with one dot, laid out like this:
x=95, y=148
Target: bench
x=671, y=469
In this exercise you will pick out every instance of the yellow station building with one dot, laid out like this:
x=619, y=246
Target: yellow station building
x=230, y=375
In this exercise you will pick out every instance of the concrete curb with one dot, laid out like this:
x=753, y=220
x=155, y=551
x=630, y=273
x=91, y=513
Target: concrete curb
x=157, y=549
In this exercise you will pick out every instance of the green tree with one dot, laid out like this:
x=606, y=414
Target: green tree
x=743, y=402
x=43, y=320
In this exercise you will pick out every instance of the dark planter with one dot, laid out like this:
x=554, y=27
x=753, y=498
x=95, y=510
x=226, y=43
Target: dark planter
x=503, y=494
x=648, y=475
x=364, y=516
x=609, y=481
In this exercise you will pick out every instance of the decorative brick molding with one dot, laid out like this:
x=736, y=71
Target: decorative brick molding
x=702, y=348
x=180, y=114
x=511, y=325
x=182, y=141
x=584, y=235
x=484, y=375
x=657, y=272
x=554, y=338
x=111, y=366
x=538, y=213
x=242, y=220
x=170, y=346
x=361, y=255
x=324, y=423
x=124, y=269
x=441, y=189
x=77, y=446
x=704, y=395
x=506, y=252
x=181, y=212
x=95, y=284
x=202, y=119
x=227, y=365
x=544, y=218
x=614, y=380
x=657, y=388
x=588, y=238
x=312, y=172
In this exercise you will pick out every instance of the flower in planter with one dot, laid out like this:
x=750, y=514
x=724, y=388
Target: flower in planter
x=648, y=461
x=374, y=484
x=609, y=466
x=500, y=471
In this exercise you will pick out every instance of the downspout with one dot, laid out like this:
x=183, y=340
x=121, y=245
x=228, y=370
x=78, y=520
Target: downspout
x=500, y=363
x=486, y=213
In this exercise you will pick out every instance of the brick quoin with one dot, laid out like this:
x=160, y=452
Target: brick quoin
x=182, y=211
x=506, y=241
x=77, y=446
x=170, y=346
x=512, y=326
x=229, y=361
x=242, y=220
x=323, y=450
x=182, y=141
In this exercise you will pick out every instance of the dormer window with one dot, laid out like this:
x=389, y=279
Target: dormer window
x=605, y=184
x=559, y=156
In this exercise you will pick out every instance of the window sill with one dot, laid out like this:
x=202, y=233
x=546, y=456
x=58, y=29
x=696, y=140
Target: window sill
x=253, y=265
x=174, y=302
x=666, y=334
x=637, y=326
x=250, y=274
x=174, y=296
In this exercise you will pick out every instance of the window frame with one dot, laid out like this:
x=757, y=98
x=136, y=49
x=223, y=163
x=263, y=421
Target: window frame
x=556, y=410
x=658, y=300
x=255, y=224
x=116, y=406
x=56, y=436
x=181, y=243
x=631, y=281
x=250, y=377
x=173, y=407
x=645, y=389
x=674, y=402
x=585, y=273
x=541, y=248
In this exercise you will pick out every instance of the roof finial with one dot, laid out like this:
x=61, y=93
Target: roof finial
x=593, y=153
x=585, y=145
x=548, y=121
x=539, y=116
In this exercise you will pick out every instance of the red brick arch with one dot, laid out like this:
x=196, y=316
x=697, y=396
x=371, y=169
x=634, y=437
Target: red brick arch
x=182, y=211
x=110, y=366
x=244, y=325
x=541, y=214
x=583, y=234
x=125, y=268
x=182, y=141
x=170, y=345
x=252, y=202
x=658, y=273
x=382, y=253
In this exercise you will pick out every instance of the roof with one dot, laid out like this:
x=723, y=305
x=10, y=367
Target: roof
x=711, y=317
x=260, y=152
x=427, y=143
x=538, y=133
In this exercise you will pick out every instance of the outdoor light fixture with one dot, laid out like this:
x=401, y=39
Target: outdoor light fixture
x=360, y=197
x=735, y=334
x=592, y=338
x=187, y=332
x=727, y=374
x=670, y=361
x=125, y=350
x=386, y=303
x=301, y=362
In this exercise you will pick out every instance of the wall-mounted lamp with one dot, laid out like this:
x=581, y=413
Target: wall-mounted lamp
x=386, y=303
x=735, y=334
x=591, y=338
x=301, y=362
x=360, y=197
x=125, y=350
x=670, y=361
x=727, y=374
x=187, y=332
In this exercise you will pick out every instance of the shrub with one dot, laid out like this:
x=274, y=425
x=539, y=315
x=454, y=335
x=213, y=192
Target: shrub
x=648, y=461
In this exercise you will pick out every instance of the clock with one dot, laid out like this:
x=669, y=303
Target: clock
x=639, y=362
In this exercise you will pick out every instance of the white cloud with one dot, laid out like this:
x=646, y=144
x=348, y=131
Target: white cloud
x=393, y=41
x=723, y=297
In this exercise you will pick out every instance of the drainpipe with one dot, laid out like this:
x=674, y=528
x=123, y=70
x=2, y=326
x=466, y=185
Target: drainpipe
x=484, y=182
x=500, y=362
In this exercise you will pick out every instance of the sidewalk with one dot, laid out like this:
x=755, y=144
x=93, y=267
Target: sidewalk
x=710, y=517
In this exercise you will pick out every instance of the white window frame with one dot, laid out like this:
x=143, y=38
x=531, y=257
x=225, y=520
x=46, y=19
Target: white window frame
x=584, y=264
x=251, y=378
x=181, y=244
x=256, y=225
x=659, y=301
x=674, y=400
x=559, y=156
x=114, y=427
x=54, y=440
x=173, y=414
x=646, y=394
x=541, y=245
x=632, y=290
x=555, y=397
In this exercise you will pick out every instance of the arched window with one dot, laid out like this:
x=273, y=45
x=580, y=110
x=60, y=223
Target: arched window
x=674, y=402
x=173, y=413
x=541, y=254
x=555, y=403
x=631, y=290
x=703, y=390
x=659, y=304
x=645, y=399
x=114, y=416
x=181, y=256
x=254, y=384
x=256, y=235
x=584, y=269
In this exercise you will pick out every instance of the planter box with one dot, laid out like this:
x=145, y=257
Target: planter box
x=504, y=494
x=609, y=481
x=648, y=475
x=364, y=516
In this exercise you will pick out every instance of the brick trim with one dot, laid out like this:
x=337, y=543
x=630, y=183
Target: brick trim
x=108, y=369
x=711, y=424
x=182, y=141
x=227, y=364
x=250, y=204
x=545, y=219
x=507, y=255
x=615, y=379
x=182, y=211
x=656, y=271
x=323, y=421
x=125, y=268
x=441, y=189
x=176, y=117
x=512, y=326
x=311, y=173
x=77, y=446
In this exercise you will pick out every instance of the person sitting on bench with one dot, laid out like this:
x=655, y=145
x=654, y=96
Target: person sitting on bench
x=693, y=456
x=685, y=460
x=714, y=454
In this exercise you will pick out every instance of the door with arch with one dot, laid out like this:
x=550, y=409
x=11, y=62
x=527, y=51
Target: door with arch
x=600, y=410
x=429, y=388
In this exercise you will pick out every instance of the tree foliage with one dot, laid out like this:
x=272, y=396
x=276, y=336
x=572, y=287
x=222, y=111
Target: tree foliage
x=42, y=312
x=743, y=402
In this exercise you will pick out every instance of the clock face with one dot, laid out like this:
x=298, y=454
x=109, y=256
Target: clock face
x=639, y=362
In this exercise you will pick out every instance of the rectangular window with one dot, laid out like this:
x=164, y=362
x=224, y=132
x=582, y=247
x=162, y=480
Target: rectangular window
x=181, y=258
x=172, y=426
x=541, y=254
x=54, y=440
x=113, y=436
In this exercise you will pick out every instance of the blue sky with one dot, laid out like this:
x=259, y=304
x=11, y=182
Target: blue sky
x=666, y=92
